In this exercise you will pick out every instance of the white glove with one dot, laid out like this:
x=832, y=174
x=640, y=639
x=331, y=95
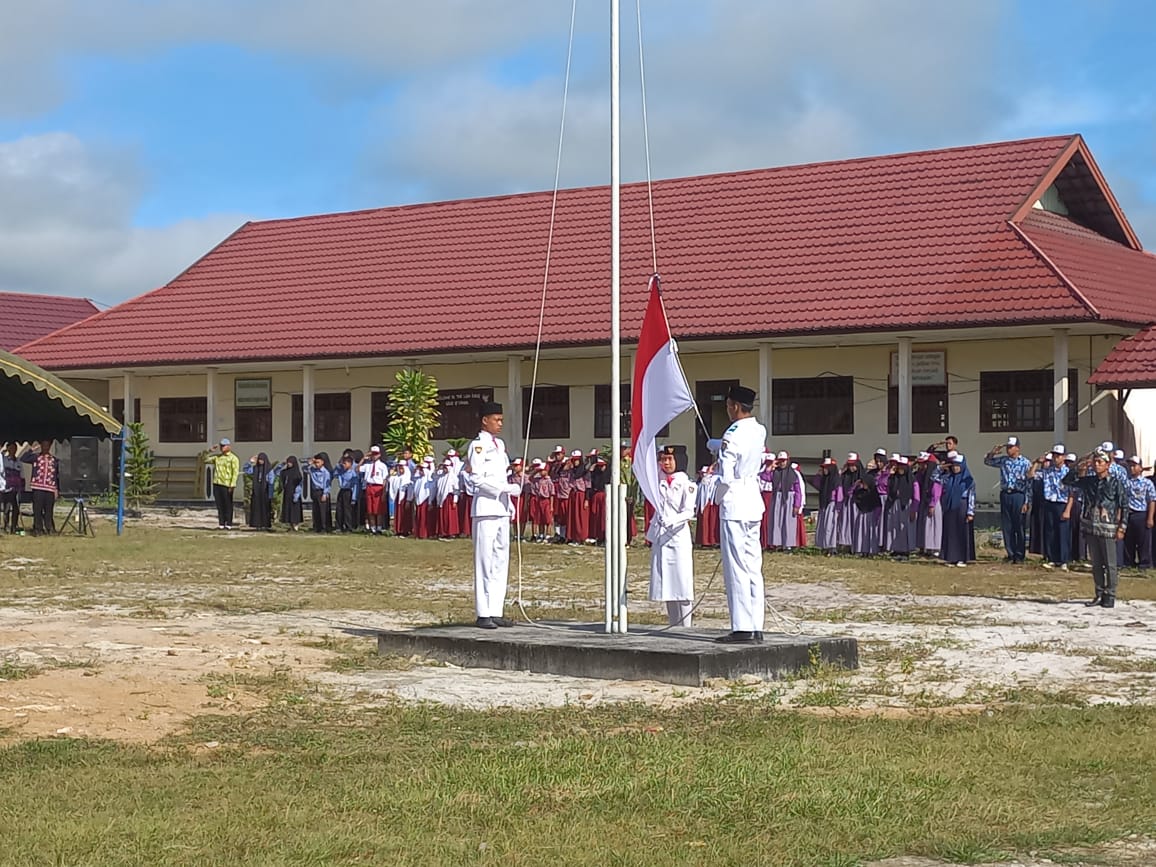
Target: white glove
x=513, y=490
x=714, y=445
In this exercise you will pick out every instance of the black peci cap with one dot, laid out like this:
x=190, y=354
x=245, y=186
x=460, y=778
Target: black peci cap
x=741, y=394
x=491, y=408
x=667, y=450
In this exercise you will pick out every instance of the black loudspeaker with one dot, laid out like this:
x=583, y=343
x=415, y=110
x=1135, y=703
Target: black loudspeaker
x=84, y=459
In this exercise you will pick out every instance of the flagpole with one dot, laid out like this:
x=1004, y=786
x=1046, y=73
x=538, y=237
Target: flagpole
x=615, y=502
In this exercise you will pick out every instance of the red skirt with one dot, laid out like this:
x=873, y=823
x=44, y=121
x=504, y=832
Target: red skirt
x=374, y=500
x=447, y=519
x=578, y=519
x=765, y=525
x=421, y=520
x=706, y=528
x=801, y=534
x=465, y=528
x=598, y=516
x=402, y=517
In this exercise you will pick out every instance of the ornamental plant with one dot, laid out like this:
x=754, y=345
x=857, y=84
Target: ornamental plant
x=140, y=488
x=413, y=413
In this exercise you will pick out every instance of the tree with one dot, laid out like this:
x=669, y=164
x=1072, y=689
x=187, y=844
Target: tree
x=413, y=413
x=138, y=467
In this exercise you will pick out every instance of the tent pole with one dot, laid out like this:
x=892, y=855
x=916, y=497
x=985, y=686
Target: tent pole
x=120, y=483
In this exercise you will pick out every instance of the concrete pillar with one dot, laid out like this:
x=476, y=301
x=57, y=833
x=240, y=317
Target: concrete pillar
x=210, y=407
x=766, y=379
x=307, y=410
x=904, y=395
x=129, y=415
x=514, y=427
x=1060, y=388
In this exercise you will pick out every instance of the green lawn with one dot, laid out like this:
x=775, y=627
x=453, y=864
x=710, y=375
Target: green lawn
x=723, y=783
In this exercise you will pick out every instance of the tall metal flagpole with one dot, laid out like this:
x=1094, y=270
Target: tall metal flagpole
x=616, y=496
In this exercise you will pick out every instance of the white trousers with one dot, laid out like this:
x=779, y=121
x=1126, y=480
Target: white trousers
x=491, y=564
x=742, y=564
x=678, y=612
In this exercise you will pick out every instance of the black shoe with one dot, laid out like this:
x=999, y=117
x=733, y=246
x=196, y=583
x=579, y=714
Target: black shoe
x=485, y=623
x=757, y=637
x=1098, y=599
x=736, y=638
x=1108, y=601
x=503, y=622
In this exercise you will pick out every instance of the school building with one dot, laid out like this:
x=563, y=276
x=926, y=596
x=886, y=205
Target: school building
x=879, y=302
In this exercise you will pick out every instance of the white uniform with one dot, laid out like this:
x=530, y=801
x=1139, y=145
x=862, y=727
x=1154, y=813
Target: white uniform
x=671, y=560
x=485, y=478
x=740, y=514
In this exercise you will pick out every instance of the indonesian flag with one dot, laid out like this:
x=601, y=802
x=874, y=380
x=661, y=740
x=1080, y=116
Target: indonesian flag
x=660, y=391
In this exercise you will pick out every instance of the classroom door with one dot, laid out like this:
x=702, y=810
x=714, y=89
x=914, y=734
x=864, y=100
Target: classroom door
x=711, y=397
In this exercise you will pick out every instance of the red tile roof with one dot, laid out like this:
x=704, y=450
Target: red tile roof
x=25, y=317
x=1131, y=364
x=911, y=241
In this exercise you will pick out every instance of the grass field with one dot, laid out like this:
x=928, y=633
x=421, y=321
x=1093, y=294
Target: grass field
x=311, y=779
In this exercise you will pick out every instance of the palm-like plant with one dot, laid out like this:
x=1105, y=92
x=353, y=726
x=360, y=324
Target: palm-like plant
x=413, y=413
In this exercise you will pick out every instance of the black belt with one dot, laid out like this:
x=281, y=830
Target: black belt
x=1010, y=491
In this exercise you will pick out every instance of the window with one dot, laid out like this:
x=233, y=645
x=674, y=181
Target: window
x=928, y=409
x=460, y=412
x=378, y=416
x=253, y=424
x=183, y=419
x=118, y=409
x=551, y=419
x=1021, y=400
x=824, y=405
x=602, y=412
x=330, y=418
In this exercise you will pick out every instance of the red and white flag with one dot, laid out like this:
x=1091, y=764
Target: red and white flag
x=660, y=391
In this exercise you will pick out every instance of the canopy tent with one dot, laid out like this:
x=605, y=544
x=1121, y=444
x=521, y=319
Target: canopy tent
x=1130, y=368
x=38, y=406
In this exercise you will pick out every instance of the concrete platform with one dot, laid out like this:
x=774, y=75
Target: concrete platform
x=688, y=657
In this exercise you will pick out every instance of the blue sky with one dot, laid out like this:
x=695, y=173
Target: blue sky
x=135, y=134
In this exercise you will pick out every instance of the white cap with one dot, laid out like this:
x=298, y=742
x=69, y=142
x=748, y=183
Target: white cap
x=1119, y=453
x=1058, y=449
x=958, y=459
x=1106, y=446
x=452, y=453
x=1013, y=441
x=1135, y=459
x=924, y=455
x=559, y=450
x=537, y=462
x=852, y=456
x=782, y=456
x=894, y=456
x=1071, y=456
x=881, y=452
x=902, y=461
x=577, y=453
x=375, y=450
x=447, y=463
x=827, y=462
x=952, y=455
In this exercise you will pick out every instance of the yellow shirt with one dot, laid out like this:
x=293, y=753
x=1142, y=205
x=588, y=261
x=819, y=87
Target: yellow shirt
x=226, y=469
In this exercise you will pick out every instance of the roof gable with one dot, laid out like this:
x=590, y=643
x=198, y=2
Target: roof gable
x=919, y=240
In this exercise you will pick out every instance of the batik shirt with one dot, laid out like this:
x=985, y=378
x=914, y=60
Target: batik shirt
x=1053, y=478
x=1013, y=472
x=1140, y=492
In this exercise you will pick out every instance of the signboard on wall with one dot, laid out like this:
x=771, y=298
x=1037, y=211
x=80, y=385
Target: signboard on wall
x=927, y=368
x=253, y=393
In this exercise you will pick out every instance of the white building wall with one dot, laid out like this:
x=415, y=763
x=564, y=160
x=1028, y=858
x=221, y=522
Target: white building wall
x=868, y=365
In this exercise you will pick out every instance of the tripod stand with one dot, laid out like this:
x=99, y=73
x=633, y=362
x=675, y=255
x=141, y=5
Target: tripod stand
x=77, y=517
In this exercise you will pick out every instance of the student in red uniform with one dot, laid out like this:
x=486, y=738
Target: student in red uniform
x=561, y=475
x=599, y=479
x=45, y=487
x=448, y=498
x=518, y=503
x=578, y=521
x=541, y=496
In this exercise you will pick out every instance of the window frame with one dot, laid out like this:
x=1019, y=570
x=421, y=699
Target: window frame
x=170, y=411
x=785, y=408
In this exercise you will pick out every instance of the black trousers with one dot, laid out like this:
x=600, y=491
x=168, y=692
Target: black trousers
x=322, y=516
x=223, y=496
x=346, y=511
x=1011, y=513
x=10, y=503
x=1138, y=540
x=42, y=521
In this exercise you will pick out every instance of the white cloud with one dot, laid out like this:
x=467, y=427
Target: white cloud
x=66, y=226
